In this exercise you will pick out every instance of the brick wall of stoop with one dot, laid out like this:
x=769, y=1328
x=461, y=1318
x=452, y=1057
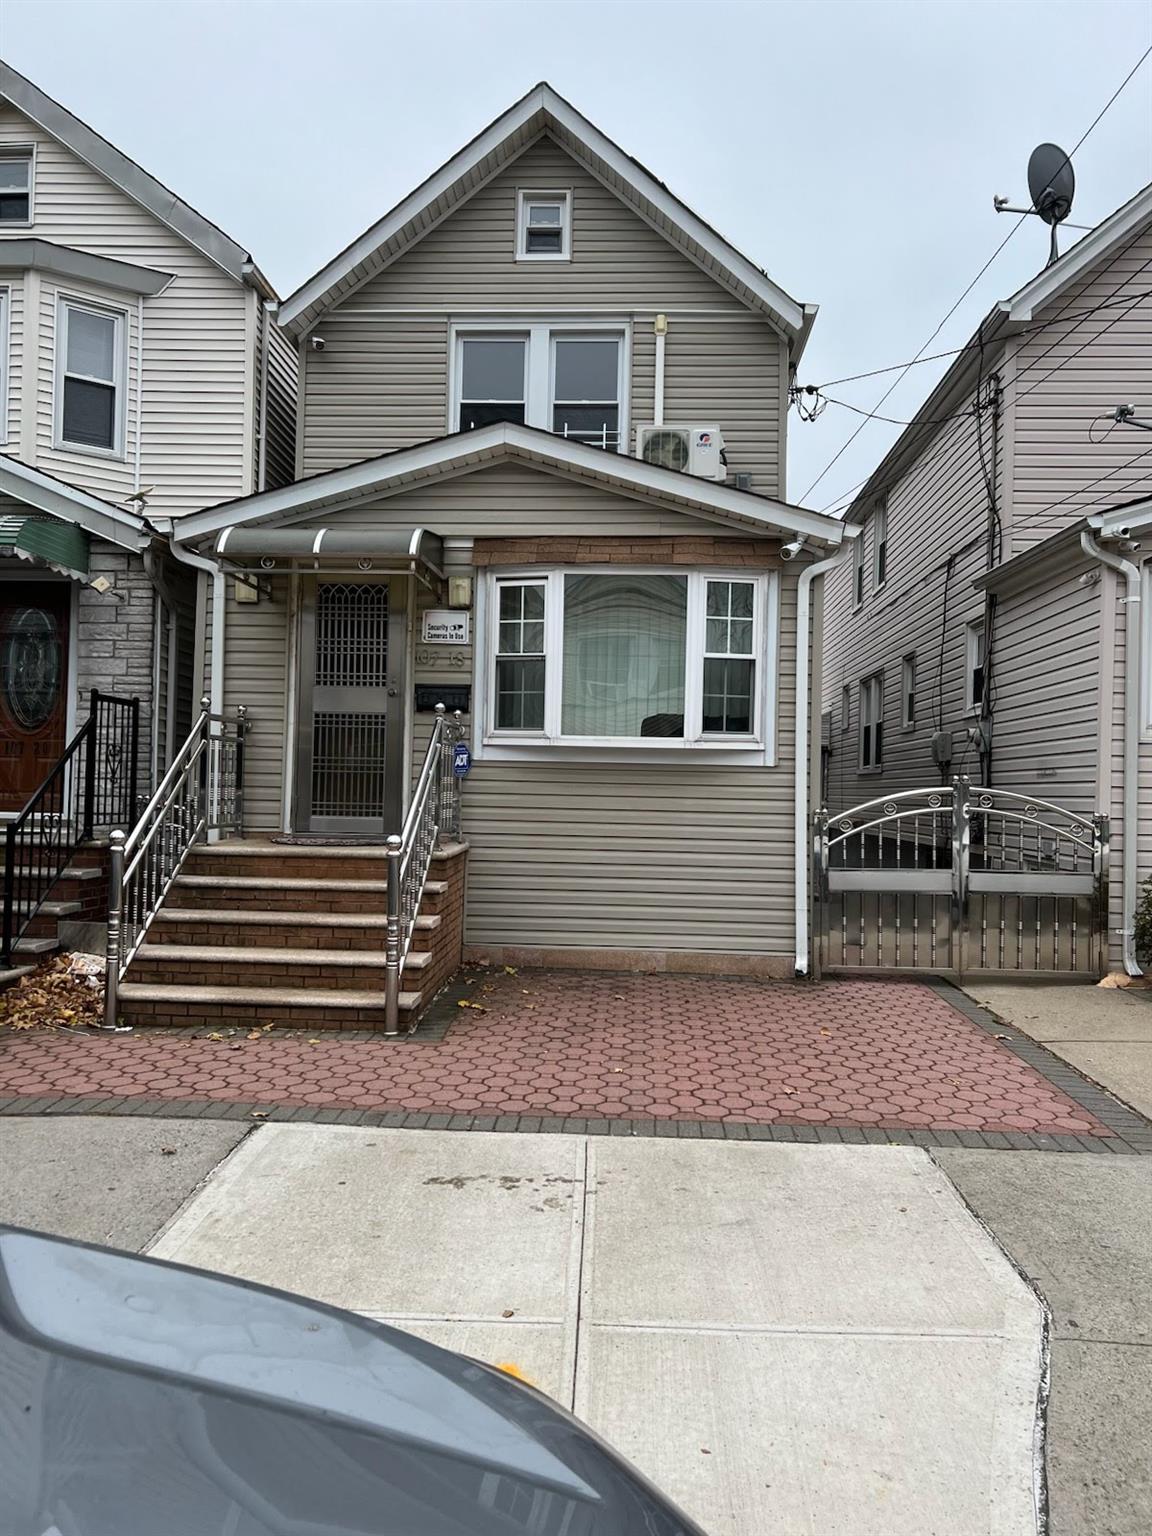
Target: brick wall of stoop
x=694, y=550
x=449, y=865
x=114, y=639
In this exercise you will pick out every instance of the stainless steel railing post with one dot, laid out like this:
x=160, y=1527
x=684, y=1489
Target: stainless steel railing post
x=395, y=851
x=116, y=842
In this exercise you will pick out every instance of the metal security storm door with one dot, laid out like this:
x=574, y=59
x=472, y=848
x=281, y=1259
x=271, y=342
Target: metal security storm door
x=350, y=737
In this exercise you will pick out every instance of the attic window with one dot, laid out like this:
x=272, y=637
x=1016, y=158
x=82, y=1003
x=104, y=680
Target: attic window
x=543, y=226
x=15, y=186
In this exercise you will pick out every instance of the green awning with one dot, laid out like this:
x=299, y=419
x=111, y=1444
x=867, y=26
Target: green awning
x=48, y=541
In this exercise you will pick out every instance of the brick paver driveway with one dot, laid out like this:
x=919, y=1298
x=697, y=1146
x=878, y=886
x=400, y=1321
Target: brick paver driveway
x=888, y=1056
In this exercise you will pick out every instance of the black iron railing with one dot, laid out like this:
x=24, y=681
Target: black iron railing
x=92, y=786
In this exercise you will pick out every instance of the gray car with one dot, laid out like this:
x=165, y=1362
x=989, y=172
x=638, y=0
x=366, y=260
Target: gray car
x=139, y=1398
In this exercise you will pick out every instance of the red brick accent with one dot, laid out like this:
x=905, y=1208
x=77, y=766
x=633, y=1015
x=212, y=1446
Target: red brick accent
x=450, y=867
x=693, y=550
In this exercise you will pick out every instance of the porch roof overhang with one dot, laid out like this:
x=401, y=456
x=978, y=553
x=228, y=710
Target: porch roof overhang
x=35, y=255
x=62, y=547
x=462, y=452
x=44, y=493
x=380, y=549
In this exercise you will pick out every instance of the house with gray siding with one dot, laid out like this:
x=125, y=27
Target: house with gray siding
x=142, y=374
x=988, y=623
x=542, y=416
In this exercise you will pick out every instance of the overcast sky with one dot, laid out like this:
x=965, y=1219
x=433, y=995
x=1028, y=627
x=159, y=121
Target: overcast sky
x=851, y=149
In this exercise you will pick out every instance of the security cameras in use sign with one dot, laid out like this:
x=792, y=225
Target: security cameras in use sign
x=446, y=626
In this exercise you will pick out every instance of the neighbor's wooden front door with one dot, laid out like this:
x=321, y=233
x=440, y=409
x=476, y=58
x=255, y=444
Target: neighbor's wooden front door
x=34, y=619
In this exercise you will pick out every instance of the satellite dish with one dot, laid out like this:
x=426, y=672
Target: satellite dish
x=1051, y=183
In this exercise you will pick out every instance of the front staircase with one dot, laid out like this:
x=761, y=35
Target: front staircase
x=256, y=933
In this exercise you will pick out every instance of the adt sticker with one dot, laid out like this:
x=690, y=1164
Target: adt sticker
x=461, y=759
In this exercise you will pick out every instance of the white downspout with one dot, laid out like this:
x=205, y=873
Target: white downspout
x=661, y=329
x=1130, y=812
x=802, y=825
x=216, y=651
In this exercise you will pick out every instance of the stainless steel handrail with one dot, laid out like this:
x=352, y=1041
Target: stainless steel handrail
x=202, y=791
x=434, y=812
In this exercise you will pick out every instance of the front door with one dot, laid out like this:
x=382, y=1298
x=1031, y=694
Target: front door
x=350, y=741
x=34, y=619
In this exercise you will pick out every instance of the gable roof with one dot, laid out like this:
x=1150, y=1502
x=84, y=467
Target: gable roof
x=59, y=499
x=135, y=182
x=1004, y=320
x=541, y=111
x=461, y=452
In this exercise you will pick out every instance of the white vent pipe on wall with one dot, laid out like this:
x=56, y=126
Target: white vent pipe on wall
x=660, y=327
x=1130, y=809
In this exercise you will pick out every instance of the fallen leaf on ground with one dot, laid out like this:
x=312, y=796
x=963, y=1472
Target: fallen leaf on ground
x=508, y=1312
x=315, y=1041
x=168, y=1151
x=53, y=996
x=215, y=1035
x=254, y=1034
x=466, y=1002
x=510, y=970
x=259, y=1114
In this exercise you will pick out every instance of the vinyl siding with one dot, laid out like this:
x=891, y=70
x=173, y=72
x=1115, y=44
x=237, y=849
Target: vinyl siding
x=508, y=500
x=1047, y=689
x=258, y=639
x=937, y=514
x=1115, y=789
x=11, y=364
x=1070, y=377
x=198, y=366
x=382, y=380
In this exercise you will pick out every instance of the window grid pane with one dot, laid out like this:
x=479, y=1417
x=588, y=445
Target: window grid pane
x=728, y=626
x=91, y=345
x=520, y=662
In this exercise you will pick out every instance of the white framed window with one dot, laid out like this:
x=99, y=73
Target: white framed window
x=974, y=659
x=570, y=379
x=872, y=723
x=880, y=545
x=846, y=707
x=16, y=162
x=908, y=691
x=858, y=571
x=89, y=377
x=625, y=657
x=543, y=226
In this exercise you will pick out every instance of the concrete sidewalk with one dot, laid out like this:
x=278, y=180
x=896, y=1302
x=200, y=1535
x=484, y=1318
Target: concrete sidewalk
x=1104, y=1032
x=788, y=1339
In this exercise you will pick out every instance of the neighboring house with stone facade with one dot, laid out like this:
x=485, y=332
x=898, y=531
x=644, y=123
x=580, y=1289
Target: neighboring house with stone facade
x=990, y=623
x=541, y=450
x=141, y=376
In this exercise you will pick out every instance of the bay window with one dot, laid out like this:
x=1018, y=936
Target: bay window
x=564, y=379
x=89, y=386
x=610, y=657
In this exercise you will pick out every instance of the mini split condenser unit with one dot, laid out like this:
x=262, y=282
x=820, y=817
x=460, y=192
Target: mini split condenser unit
x=694, y=450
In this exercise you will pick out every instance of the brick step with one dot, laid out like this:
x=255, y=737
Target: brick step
x=292, y=930
x=288, y=1008
x=53, y=909
x=73, y=872
x=275, y=968
x=45, y=944
x=286, y=862
x=263, y=893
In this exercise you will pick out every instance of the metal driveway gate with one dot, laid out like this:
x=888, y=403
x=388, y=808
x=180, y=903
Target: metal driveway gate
x=959, y=880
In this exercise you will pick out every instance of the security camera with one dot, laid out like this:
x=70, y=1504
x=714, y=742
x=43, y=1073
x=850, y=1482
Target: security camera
x=790, y=551
x=317, y=343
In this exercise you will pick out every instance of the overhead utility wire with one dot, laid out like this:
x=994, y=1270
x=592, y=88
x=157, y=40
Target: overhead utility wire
x=1067, y=160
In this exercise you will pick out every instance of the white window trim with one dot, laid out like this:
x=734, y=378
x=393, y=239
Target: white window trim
x=973, y=633
x=561, y=195
x=65, y=302
x=907, y=665
x=524, y=746
x=5, y=355
x=15, y=152
x=539, y=365
x=866, y=684
x=879, y=542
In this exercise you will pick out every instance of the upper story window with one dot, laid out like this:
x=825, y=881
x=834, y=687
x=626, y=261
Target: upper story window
x=974, y=659
x=872, y=722
x=846, y=707
x=566, y=381
x=880, y=545
x=858, y=571
x=90, y=368
x=543, y=226
x=15, y=186
x=628, y=658
x=908, y=691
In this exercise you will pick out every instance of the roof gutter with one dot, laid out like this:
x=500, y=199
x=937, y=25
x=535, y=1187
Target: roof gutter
x=1132, y=648
x=802, y=808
